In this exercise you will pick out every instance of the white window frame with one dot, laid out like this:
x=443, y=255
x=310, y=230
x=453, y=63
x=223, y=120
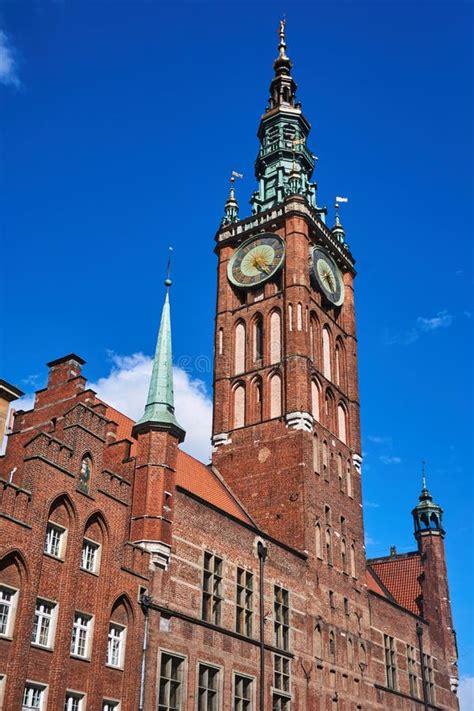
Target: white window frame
x=89, y=632
x=110, y=705
x=42, y=688
x=11, y=606
x=62, y=540
x=97, y=555
x=71, y=696
x=184, y=673
x=253, y=690
x=44, y=616
x=122, y=640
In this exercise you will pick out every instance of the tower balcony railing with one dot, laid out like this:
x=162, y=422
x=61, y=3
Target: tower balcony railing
x=286, y=144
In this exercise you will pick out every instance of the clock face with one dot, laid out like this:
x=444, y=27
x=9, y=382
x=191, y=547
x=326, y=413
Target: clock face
x=328, y=276
x=256, y=260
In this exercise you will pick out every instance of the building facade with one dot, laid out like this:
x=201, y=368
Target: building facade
x=133, y=576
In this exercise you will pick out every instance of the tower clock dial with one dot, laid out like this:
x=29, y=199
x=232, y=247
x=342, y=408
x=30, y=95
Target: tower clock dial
x=256, y=260
x=327, y=275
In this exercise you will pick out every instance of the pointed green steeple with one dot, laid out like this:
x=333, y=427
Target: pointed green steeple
x=159, y=410
x=427, y=515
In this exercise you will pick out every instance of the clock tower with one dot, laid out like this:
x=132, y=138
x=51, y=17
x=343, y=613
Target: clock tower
x=286, y=410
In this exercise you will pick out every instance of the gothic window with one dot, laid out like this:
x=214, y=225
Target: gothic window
x=319, y=551
x=340, y=472
x=325, y=457
x=342, y=422
x=239, y=348
x=258, y=339
x=212, y=588
x=239, y=406
x=350, y=653
x=275, y=337
x=316, y=453
x=85, y=475
x=314, y=338
x=332, y=647
x=329, y=546
x=353, y=561
x=318, y=642
x=329, y=410
x=326, y=353
x=8, y=605
x=299, y=317
x=54, y=542
x=290, y=317
x=315, y=400
x=220, y=341
x=339, y=363
x=116, y=645
x=275, y=396
x=349, y=478
x=257, y=393
x=344, y=555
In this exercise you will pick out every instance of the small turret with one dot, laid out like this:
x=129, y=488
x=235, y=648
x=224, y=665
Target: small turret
x=427, y=516
x=231, y=208
x=338, y=230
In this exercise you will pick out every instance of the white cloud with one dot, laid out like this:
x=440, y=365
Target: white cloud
x=442, y=320
x=8, y=68
x=388, y=459
x=126, y=389
x=379, y=440
x=466, y=693
x=371, y=505
x=422, y=325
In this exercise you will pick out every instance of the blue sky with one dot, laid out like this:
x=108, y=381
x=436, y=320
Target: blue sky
x=120, y=124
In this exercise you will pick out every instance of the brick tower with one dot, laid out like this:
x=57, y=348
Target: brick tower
x=286, y=410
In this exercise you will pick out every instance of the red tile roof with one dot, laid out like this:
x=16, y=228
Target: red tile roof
x=191, y=474
x=400, y=575
x=373, y=584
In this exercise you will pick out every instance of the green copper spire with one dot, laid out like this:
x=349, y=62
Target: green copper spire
x=159, y=410
x=427, y=516
x=231, y=209
x=284, y=165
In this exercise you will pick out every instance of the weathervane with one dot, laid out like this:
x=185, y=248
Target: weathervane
x=168, y=269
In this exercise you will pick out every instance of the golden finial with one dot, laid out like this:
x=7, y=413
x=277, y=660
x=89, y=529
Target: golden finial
x=281, y=32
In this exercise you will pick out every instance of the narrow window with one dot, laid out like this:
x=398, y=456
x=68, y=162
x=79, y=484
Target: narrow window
x=343, y=555
x=116, y=645
x=212, y=588
x=331, y=600
x=244, y=609
x=290, y=317
x=243, y=693
x=208, y=688
x=329, y=546
x=239, y=406
x=258, y=340
x=171, y=683
x=338, y=365
x=329, y=410
x=275, y=396
x=315, y=400
x=85, y=474
x=281, y=617
x=299, y=317
x=325, y=457
x=314, y=339
x=390, y=662
x=316, y=462
x=275, y=337
x=332, y=648
x=239, y=349
x=342, y=423
x=281, y=683
x=74, y=701
x=81, y=635
x=8, y=603
x=55, y=540
x=412, y=675
x=43, y=624
x=220, y=341
x=34, y=697
x=340, y=472
x=353, y=561
x=349, y=478
x=319, y=553
x=257, y=398
x=350, y=652
x=90, y=556
x=326, y=353
x=429, y=679
x=318, y=642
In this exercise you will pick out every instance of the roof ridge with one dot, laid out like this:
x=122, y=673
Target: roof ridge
x=220, y=478
x=396, y=557
x=380, y=583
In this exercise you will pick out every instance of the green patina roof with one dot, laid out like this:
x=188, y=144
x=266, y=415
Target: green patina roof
x=159, y=408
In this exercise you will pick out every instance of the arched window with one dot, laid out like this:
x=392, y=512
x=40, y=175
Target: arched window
x=13, y=579
x=275, y=337
x=314, y=338
x=329, y=410
x=340, y=472
x=318, y=642
x=315, y=400
x=239, y=348
x=363, y=654
x=339, y=363
x=239, y=406
x=332, y=647
x=342, y=422
x=326, y=353
x=257, y=397
x=85, y=474
x=275, y=396
x=220, y=341
x=350, y=652
x=343, y=555
x=349, y=478
x=299, y=317
x=316, y=454
x=325, y=456
x=258, y=339
x=290, y=317
x=353, y=561
x=319, y=550
x=328, y=546
x=117, y=637
x=93, y=544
